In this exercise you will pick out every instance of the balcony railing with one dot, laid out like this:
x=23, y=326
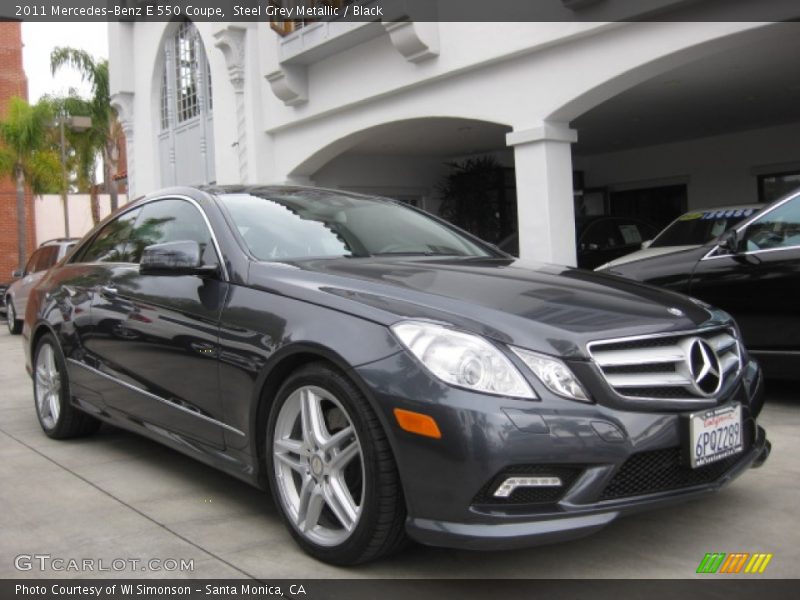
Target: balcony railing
x=323, y=10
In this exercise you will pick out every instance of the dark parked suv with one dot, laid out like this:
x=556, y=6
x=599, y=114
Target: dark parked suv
x=753, y=272
x=387, y=375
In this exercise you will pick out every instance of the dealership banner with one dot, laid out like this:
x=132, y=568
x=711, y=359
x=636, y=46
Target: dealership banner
x=390, y=589
x=294, y=11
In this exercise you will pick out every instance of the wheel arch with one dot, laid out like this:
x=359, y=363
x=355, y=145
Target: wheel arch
x=37, y=332
x=281, y=365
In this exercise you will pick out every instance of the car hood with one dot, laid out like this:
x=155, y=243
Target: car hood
x=645, y=253
x=552, y=309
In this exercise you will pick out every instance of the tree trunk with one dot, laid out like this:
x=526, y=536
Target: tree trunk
x=22, y=222
x=95, y=203
x=94, y=200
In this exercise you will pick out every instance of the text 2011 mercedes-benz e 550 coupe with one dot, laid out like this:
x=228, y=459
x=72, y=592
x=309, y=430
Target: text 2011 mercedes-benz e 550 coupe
x=387, y=375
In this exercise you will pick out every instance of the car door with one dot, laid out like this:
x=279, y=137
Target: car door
x=157, y=335
x=760, y=285
x=78, y=281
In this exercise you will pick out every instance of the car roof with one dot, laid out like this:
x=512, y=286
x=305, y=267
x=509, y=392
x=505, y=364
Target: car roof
x=57, y=241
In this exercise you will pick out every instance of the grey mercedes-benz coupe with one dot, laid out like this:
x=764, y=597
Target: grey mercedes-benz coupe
x=386, y=375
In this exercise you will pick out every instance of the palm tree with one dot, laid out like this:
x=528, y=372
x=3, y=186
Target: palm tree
x=27, y=156
x=104, y=117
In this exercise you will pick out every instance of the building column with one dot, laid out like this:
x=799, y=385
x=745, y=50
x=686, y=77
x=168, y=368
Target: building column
x=545, y=206
x=232, y=41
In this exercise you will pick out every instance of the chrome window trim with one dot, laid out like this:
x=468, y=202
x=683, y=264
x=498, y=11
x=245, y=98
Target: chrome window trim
x=190, y=200
x=746, y=224
x=154, y=397
x=750, y=253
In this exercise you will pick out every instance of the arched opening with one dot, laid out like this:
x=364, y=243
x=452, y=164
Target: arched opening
x=418, y=160
x=185, y=109
x=715, y=131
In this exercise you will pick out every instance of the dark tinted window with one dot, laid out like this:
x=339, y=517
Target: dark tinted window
x=601, y=235
x=312, y=223
x=31, y=266
x=697, y=228
x=774, y=185
x=170, y=220
x=111, y=242
x=47, y=257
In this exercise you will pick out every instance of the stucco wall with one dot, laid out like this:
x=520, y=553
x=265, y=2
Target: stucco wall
x=50, y=215
x=717, y=170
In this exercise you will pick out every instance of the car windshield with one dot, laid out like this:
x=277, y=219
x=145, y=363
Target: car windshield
x=296, y=224
x=697, y=228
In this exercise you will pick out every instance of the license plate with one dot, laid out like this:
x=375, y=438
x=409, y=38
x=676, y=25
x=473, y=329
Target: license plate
x=715, y=434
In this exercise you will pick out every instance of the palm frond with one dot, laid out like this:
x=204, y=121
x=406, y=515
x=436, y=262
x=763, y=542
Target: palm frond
x=78, y=59
x=43, y=172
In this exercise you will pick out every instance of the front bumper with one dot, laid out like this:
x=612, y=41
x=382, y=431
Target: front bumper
x=611, y=461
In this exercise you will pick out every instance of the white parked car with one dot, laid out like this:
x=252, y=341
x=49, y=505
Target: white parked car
x=690, y=230
x=16, y=296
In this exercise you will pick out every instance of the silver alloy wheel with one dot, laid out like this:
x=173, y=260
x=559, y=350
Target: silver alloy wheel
x=319, y=466
x=11, y=316
x=47, y=386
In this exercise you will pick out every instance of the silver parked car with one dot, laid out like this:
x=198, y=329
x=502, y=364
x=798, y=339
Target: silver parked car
x=16, y=295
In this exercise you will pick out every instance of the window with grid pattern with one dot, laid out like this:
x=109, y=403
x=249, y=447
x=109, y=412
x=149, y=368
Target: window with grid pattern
x=187, y=72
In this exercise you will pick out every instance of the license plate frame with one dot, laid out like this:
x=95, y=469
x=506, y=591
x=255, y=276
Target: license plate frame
x=714, y=434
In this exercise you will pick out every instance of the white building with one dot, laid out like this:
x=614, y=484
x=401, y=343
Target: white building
x=656, y=117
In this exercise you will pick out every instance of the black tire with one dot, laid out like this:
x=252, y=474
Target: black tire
x=380, y=527
x=69, y=422
x=14, y=324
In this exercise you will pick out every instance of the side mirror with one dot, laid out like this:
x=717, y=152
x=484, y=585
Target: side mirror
x=17, y=273
x=730, y=241
x=174, y=258
x=646, y=244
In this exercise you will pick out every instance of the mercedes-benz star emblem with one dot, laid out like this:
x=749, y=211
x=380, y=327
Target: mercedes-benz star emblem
x=704, y=367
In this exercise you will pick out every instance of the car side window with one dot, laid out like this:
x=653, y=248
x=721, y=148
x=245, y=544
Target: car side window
x=631, y=233
x=48, y=256
x=779, y=228
x=30, y=267
x=111, y=242
x=171, y=220
x=601, y=235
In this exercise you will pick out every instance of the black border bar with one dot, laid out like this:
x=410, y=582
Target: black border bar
x=708, y=587
x=401, y=10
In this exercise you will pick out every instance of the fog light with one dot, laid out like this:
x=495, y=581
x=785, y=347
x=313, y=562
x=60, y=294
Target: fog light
x=506, y=488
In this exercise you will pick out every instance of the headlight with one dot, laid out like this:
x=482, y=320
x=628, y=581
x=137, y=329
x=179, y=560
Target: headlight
x=462, y=359
x=553, y=373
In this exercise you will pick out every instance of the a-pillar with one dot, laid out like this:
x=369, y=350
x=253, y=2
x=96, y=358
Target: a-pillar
x=545, y=206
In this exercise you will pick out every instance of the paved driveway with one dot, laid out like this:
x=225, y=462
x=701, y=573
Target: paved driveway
x=116, y=495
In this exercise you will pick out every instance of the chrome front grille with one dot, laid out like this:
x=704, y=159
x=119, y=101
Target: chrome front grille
x=689, y=365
